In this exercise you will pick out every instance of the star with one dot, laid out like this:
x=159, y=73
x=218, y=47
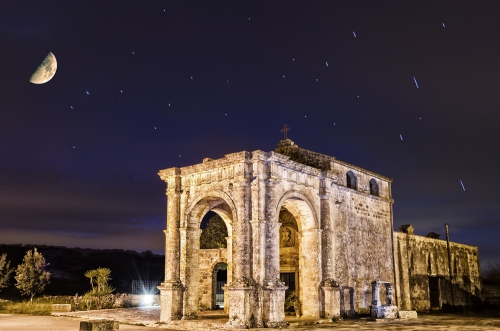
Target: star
x=226, y=114
x=133, y=53
x=283, y=76
x=169, y=105
x=121, y=91
x=87, y=92
x=71, y=107
x=191, y=77
x=155, y=127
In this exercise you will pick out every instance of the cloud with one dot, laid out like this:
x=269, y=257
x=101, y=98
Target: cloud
x=78, y=234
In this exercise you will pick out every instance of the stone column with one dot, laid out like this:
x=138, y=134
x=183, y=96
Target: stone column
x=310, y=252
x=171, y=290
x=241, y=288
x=376, y=294
x=190, y=246
x=375, y=309
x=331, y=296
x=389, y=293
x=273, y=312
x=229, y=249
x=258, y=240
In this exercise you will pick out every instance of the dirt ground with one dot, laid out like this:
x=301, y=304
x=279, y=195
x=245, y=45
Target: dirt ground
x=149, y=317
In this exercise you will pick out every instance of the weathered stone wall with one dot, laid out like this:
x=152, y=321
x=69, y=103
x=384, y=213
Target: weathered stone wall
x=209, y=258
x=342, y=235
x=419, y=258
x=363, y=247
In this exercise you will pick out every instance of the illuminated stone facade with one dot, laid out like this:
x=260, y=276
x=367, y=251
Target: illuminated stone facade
x=325, y=223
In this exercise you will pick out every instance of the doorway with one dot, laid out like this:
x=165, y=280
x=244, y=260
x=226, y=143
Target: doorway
x=219, y=280
x=434, y=293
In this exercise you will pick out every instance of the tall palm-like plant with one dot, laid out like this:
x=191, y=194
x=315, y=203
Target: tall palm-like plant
x=99, y=279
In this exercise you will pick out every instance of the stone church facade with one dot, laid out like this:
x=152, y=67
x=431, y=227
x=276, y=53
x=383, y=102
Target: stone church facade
x=295, y=218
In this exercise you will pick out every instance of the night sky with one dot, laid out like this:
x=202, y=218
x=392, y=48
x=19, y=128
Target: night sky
x=148, y=85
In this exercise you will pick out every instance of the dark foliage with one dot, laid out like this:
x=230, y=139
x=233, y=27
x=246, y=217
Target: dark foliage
x=5, y=271
x=68, y=265
x=214, y=235
x=492, y=275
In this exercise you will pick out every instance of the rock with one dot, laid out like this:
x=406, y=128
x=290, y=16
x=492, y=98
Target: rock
x=99, y=325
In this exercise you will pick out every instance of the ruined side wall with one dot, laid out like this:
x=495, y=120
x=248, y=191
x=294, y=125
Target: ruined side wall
x=418, y=258
x=208, y=260
x=363, y=239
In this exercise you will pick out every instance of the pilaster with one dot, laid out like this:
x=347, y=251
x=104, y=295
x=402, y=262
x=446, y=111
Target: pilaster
x=189, y=271
x=171, y=290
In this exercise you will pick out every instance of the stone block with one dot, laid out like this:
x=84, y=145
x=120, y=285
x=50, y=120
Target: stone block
x=384, y=312
x=61, y=308
x=99, y=325
x=407, y=314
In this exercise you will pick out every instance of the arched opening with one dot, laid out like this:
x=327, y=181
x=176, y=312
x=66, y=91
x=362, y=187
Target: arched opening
x=197, y=264
x=219, y=280
x=351, y=180
x=373, y=187
x=289, y=252
x=300, y=254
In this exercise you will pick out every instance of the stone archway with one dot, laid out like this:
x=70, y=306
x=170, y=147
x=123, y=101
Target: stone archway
x=309, y=244
x=190, y=249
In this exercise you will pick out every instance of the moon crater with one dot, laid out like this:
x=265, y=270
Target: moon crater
x=45, y=71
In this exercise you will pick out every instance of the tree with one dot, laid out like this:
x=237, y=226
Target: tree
x=99, y=279
x=31, y=276
x=214, y=235
x=5, y=271
x=493, y=274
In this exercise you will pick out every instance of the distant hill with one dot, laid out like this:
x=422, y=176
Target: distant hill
x=68, y=265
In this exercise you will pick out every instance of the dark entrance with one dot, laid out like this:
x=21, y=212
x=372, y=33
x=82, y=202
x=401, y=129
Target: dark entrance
x=220, y=279
x=434, y=292
x=289, y=279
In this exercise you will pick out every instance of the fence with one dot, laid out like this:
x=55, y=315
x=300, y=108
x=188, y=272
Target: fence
x=145, y=286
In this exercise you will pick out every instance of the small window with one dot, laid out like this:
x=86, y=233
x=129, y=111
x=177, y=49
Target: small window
x=351, y=180
x=373, y=187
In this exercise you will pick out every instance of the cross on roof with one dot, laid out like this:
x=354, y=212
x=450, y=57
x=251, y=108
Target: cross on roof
x=285, y=130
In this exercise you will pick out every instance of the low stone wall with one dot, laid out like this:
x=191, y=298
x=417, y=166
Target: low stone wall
x=209, y=258
x=61, y=308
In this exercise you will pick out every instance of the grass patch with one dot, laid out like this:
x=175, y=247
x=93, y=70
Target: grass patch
x=40, y=306
x=26, y=307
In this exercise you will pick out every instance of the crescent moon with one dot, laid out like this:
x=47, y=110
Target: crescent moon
x=45, y=71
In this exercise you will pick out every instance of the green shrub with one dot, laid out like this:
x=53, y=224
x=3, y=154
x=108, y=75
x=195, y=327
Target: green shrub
x=25, y=307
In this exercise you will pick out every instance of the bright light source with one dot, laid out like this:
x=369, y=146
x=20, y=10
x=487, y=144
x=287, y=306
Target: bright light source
x=147, y=300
